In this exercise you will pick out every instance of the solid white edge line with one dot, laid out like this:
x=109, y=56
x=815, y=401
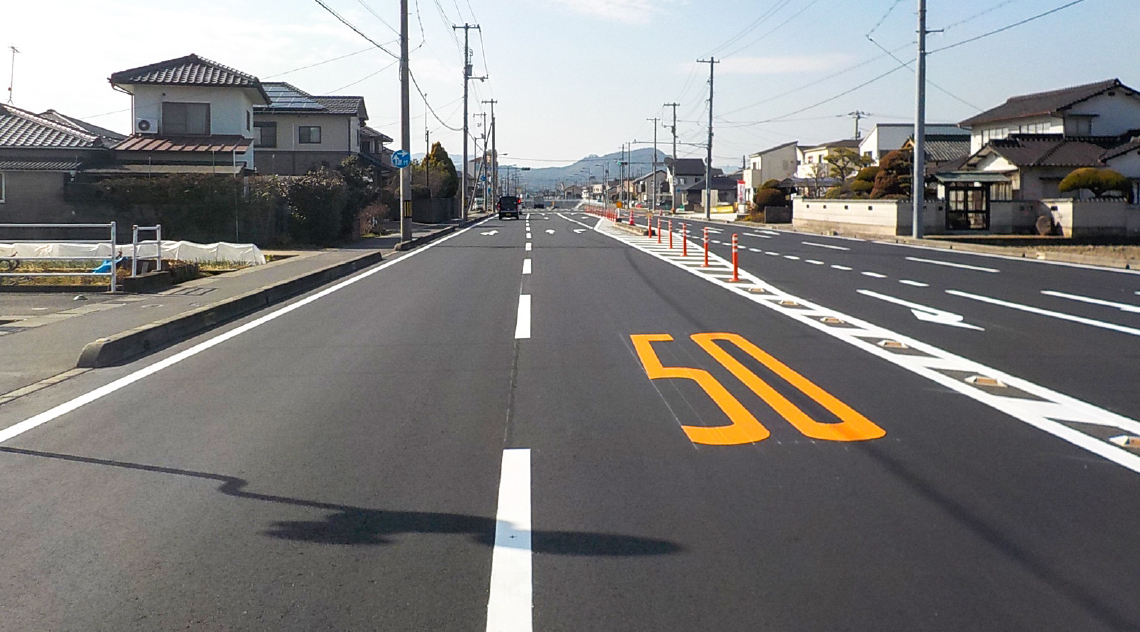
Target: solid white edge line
x=1042, y=416
x=522, y=325
x=951, y=264
x=1044, y=312
x=510, y=604
x=526, y=266
x=91, y=396
x=1083, y=266
x=1124, y=307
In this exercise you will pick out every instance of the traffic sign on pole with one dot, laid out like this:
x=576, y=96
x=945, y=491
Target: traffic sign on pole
x=401, y=159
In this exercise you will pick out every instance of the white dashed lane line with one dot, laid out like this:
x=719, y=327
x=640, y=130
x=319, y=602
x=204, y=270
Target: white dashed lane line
x=953, y=265
x=814, y=262
x=913, y=283
x=845, y=268
x=874, y=275
x=809, y=243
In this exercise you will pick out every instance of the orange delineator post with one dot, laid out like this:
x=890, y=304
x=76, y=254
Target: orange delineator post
x=631, y=218
x=658, y=229
x=670, y=234
x=735, y=263
x=706, y=240
x=684, y=240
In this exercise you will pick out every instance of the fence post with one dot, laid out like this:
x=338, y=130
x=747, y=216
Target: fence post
x=134, y=251
x=113, y=280
x=158, y=246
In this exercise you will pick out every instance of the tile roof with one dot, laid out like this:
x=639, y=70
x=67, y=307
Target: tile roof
x=1120, y=150
x=285, y=97
x=944, y=148
x=846, y=142
x=368, y=131
x=772, y=149
x=1042, y=103
x=1046, y=150
x=39, y=165
x=190, y=70
x=719, y=183
x=20, y=128
x=184, y=144
x=343, y=105
x=687, y=166
x=63, y=119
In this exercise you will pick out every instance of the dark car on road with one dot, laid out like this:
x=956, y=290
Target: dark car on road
x=508, y=206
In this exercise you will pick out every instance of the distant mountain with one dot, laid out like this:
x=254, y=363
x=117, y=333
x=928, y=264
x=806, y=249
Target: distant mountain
x=641, y=161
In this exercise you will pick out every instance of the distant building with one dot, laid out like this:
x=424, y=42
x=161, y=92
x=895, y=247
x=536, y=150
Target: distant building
x=887, y=137
x=775, y=163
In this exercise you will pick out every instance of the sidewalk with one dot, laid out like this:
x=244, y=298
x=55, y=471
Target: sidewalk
x=43, y=335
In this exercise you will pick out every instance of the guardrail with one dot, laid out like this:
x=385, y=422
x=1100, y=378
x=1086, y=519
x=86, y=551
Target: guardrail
x=135, y=243
x=110, y=241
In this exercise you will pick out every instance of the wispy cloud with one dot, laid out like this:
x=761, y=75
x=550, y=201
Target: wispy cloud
x=628, y=11
x=781, y=65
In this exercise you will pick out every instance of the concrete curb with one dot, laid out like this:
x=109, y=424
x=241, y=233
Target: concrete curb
x=141, y=340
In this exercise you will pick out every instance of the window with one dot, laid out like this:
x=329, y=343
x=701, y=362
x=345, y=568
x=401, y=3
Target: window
x=186, y=118
x=248, y=119
x=1, y=188
x=265, y=134
x=309, y=134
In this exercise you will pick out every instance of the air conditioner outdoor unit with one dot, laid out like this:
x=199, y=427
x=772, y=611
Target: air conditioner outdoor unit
x=146, y=126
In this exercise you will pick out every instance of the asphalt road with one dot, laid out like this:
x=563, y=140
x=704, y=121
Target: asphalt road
x=467, y=438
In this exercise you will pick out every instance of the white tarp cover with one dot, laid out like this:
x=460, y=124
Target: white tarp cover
x=180, y=250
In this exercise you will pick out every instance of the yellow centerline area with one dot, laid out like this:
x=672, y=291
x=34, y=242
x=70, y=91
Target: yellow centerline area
x=744, y=428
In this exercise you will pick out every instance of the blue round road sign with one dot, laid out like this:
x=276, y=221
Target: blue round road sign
x=401, y=159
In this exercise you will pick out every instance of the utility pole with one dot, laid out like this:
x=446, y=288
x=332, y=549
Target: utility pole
x=427, y=150
x=858, y=115
x=466, y=78
x=12, y=74
x=483, y=162
x=673, y=179
x=494, y=155
x=405, y=129
x=712, y=62
x=918, y=179
x=653, y=198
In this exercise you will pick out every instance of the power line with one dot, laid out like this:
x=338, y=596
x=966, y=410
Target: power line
x=1007, y=27
x=780, y=4
x=365, y=78
x=816, y=82
x=884, y=18
x=377, y=16
x=320, y=63
x=358, y=31
x=429, y=107
x=978, y=15
x=928, y=81
x=774, y=29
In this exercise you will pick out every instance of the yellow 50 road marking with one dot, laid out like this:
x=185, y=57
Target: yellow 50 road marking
x=744, y=427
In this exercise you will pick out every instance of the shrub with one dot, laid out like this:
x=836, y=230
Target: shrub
x=893, y=178
x=862, y=187
x=770, y=184
x=1099, y=182
x=769, y=197
x=867, y=174
x=835, y=193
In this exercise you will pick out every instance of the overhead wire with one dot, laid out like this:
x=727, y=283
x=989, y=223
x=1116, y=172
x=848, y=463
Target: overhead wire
x=351, y=26
x=772, y=10
x=773, y=29
x=1006, y=27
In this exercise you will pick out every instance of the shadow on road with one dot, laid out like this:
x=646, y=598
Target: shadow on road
x=350, y=525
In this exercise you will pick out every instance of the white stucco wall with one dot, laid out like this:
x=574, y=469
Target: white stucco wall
x=228, y=106
x=1094, y=217
x=1127, y=164
x=1114, y=114
x=878, y=217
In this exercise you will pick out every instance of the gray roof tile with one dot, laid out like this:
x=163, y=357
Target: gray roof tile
x=39, y=165
x=190, y=70
x=22, y=129
x=1042, y=103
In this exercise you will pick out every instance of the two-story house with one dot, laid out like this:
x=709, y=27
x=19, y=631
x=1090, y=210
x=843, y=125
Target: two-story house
x=683, y=172
x=774, y=163
x=887, y=137
x=811, y=158
x=190, y=115
x=297, y=132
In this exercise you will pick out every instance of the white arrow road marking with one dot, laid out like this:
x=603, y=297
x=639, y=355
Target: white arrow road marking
x=1044, y=312
x=1124, y=307
x=924, y=313
x=549, y=231
x=811, y=243
x=490, y=232
x=953, y=265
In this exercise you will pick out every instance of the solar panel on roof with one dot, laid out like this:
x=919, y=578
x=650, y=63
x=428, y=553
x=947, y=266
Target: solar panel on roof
x=286, y=98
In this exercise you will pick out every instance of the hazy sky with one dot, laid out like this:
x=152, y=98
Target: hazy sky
x=575, y=77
